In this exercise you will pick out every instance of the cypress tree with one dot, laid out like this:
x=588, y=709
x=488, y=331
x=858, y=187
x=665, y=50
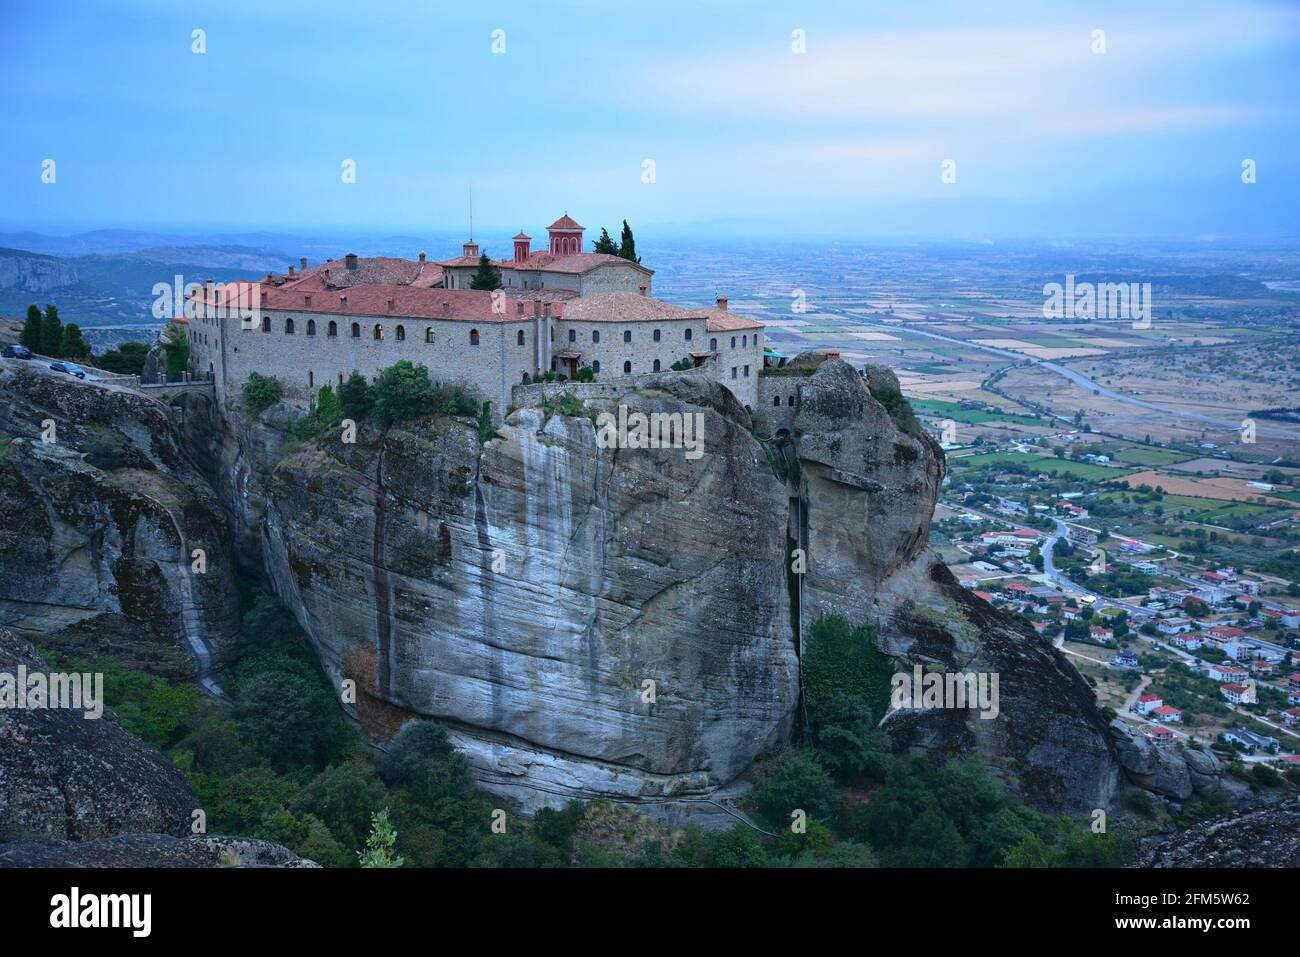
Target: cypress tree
x=73, y=345
x=627, y=245
x=605, y=244
x=487, y=276
x=31, y=336
x=51, y=332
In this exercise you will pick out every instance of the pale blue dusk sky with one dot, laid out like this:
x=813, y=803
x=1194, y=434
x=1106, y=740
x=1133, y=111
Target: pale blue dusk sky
x=1048, y=137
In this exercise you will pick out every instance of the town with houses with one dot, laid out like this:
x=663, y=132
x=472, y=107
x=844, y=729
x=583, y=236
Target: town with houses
x=1191, y=652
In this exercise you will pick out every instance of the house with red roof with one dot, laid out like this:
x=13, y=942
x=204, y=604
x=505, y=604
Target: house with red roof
x=1238, y=694
x=1147, y=703
x=1167, y=713
x=1291, y=716
x=1227, y=672
x=1159, y=734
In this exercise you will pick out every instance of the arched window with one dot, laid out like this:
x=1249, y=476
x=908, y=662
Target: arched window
x=627, y=368
x=356, y=330
x=688, y=333
x=595, y=335
x=744, y=342
x=595, y=365
x=713, y=345
x=776, y=400
x=428, y=334
x=519, y=338
x=627, y=335
x=379, y=332
x=473, y=337
x=656, y=365
x=733, y=342
x=524, y=377
x=266, y=323
x=311, y=327
x=656, y=337
x=790, y=401
x=333, y=330
x=288, y=327
x=311, y=380
x=573, y=335
x=400, y=333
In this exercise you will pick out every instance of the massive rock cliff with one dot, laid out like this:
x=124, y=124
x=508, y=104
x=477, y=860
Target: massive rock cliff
x=526, y=591
x=98, y=526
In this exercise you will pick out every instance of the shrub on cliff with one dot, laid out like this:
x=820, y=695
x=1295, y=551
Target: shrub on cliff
x=846, y=691
x=356, y=397
x=260, y=392
x=126, y=359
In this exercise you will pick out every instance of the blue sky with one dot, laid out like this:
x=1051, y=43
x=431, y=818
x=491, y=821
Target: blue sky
x=1048, y=137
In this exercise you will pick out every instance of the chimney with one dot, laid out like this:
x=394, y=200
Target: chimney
x=644, y=289
x=306, y=301
x=722, y=303
x=290, y=269
x=270, y=276
x=390, y=307
x=446, y=309
x=327, y=274
x=519, y=308
x=421, y=255
x=264, y=297
x=343, y=302
x=537, y=307
x=546, y=309
x=351, y=260
x=302, y=261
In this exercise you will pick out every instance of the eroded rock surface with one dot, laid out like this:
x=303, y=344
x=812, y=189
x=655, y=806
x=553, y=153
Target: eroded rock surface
x=68, y=778
x=98, y=528
x=152, y=850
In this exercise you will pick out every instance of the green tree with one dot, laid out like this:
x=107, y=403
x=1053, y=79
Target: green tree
x=73, y=345
x=260, y=392
x=605, y=244
x=402, y=391
x=292, y=720
x=51, y=331
x=487, y=276
x=32, y=332
x=379, y=846
x=627, y=244
x=127, y=359
x=177, y=347
x=356, y=397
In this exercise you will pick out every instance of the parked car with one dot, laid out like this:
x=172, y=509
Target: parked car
x=16, y=351
x=71, y=368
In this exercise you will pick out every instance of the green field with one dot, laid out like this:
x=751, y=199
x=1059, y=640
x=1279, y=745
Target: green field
x=1088, y=471
x=954, y=411
x=1209, y=511
x=993, y=458
x=1149, y=456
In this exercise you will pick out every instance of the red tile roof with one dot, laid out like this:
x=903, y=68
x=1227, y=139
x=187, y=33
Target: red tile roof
x=565, y=222
x=720, y=320
x=408, y=302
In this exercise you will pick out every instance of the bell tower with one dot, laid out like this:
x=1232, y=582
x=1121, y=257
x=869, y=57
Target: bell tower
x=566, y=236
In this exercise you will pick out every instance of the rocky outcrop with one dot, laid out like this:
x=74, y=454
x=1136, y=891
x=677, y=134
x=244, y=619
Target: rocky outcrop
x=64, y=776
x=152, y=850
x=1269, y=837
x=98, y=528
x=590, y=621
x=868, y=488
x=526, y=591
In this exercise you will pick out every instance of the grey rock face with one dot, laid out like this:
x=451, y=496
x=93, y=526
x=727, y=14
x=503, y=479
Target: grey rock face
x=34, y=272
x=151, y=850
x=623, y=566
x=614, y=568
x=870, y=488
x=1269, y=837
x=97, y=559
x=65, y=777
